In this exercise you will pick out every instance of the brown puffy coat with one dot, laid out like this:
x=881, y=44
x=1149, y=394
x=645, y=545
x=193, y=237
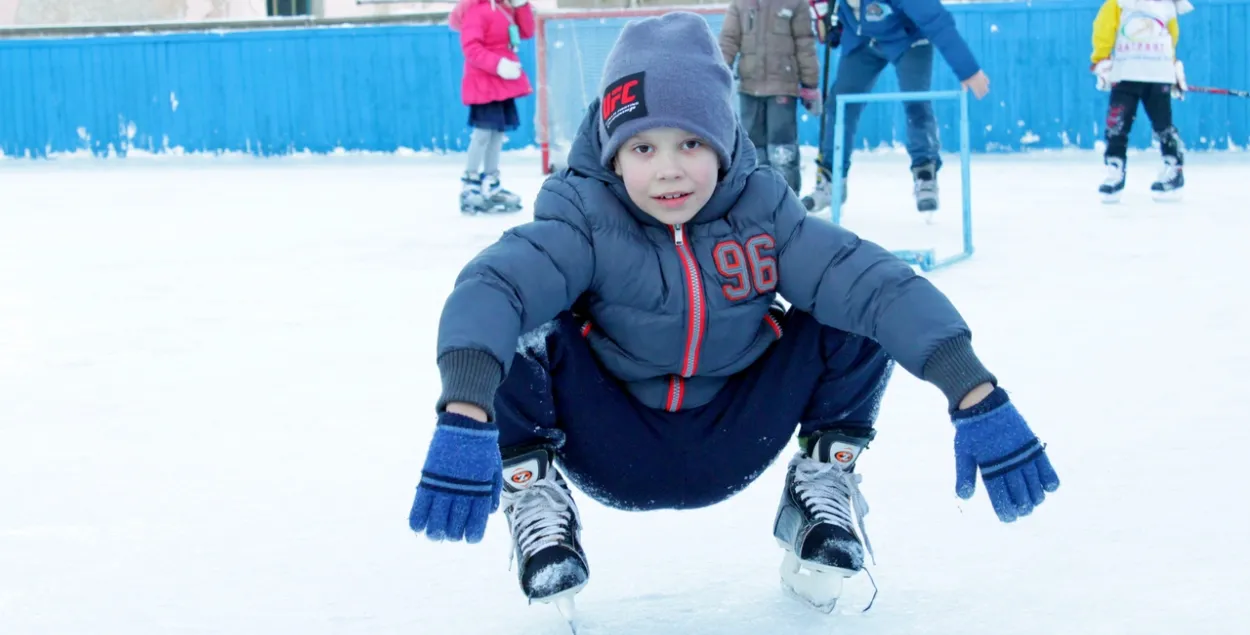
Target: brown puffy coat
x=775, y=43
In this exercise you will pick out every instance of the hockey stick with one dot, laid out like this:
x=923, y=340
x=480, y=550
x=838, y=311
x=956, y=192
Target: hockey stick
x=1218, y=91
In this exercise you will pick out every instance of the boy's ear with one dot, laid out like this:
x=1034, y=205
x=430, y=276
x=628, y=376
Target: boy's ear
x=616, y=166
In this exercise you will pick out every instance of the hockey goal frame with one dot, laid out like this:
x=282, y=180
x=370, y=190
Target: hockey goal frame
x=542, y=127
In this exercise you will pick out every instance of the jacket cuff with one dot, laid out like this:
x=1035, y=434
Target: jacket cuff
x=955, y=370
x=470, y=376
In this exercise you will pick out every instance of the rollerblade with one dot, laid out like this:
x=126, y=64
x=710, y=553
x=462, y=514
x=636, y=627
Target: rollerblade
x=816, y=522
x=1170, y=182
x=1113, y=185
x=546, y=530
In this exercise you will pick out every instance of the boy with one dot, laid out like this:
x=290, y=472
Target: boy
x=902, y=33
x=775, y=45
x=1143, y=69
x=667, y=378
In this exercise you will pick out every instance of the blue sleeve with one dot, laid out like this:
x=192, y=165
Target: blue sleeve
x=857, y=286
x=937, y=24
x=531, y=274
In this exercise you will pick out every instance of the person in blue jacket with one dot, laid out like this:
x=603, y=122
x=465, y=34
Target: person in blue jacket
x=632, y=333
x=873, y=34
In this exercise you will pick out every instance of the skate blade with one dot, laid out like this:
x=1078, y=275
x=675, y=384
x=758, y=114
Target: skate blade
x=1173, y=196
x=566, y=605
x=930, y=218
x=818, y=587
x=1110, y=199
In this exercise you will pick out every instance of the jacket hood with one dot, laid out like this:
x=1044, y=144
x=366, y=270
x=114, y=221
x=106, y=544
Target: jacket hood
x=584, y=161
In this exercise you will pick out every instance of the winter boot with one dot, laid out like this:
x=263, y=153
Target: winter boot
x=1171, y=179
x=816, y=522
x=497, y=195
x=925, y=185
x=1113, y=185
x=822, y=196
x=545, y=526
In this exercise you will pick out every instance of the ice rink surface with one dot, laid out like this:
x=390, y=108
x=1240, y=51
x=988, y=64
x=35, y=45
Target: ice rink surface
x=217, y=384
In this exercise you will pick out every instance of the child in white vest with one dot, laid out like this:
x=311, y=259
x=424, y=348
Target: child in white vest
x=1135, y=58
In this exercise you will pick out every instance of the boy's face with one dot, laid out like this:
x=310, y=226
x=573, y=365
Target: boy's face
x=669, y=173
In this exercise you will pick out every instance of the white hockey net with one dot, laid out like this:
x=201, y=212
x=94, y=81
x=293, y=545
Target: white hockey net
x=572, y=46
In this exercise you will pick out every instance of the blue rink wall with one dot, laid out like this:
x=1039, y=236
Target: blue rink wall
x=387, y=87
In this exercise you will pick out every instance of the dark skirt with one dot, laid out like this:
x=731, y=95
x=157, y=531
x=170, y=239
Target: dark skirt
x=497, y=115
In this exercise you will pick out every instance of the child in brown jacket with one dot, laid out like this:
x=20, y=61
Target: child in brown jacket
x=774, y=42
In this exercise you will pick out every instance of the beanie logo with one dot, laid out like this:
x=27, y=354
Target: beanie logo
x=623, y=101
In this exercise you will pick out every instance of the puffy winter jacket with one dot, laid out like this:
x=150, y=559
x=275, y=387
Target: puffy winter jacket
x=675, y=310
x=774, y=42
x=895, y=25
x=485, y=37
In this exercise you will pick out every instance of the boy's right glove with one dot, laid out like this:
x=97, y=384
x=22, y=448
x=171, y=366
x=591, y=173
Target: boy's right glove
x=1102, y=73
x=1014, y=467
x=461, y=480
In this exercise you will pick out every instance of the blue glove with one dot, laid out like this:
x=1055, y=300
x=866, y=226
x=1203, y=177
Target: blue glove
x=461, y=480
x=994, y=437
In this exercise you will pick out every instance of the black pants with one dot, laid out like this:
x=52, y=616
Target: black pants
x=772, y=123
x=1156, y=99
x=632, y=457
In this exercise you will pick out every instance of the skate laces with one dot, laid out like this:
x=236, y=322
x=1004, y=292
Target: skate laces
x=825, y=489
x=540, y=516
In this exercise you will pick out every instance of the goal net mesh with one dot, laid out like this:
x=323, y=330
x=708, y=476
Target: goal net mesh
x=572, y=46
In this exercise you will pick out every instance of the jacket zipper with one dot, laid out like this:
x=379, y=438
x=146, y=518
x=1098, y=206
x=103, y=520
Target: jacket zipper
x=695, y=325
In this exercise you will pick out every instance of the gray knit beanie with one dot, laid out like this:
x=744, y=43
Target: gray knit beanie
x=667, y=72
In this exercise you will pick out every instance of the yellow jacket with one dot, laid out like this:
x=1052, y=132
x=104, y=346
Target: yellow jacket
x=1107, y=27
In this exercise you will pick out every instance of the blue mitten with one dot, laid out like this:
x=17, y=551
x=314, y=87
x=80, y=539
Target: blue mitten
x=994, y=437
x=461, y=480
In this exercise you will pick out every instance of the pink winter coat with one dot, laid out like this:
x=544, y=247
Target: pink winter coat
x=483, y=27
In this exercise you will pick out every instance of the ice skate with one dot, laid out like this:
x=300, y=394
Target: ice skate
x=1170, y=182
x=822, y=196
x=472, y=200
x=821, y=506
x=503, y=199
x=546, y=530
x=925, y=187
x=1113, y=185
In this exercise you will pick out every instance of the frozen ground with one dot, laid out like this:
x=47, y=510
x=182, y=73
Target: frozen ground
x=217, y=380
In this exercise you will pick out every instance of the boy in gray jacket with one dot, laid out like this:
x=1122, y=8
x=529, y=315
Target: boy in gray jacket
x=630, y=333
x=774, y=42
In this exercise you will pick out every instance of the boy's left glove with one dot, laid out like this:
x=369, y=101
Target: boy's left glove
x=993, y=436
x=811, y=100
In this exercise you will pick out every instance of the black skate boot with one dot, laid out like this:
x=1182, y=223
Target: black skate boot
x=1113, y=185
x=816, y=521
x=1171, y=179
x=504, y=200
x=546, y=529
x=925, y=185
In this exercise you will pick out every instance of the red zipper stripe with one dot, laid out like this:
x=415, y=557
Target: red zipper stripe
x=695, y=326
x=772, y=321
x=676, y=393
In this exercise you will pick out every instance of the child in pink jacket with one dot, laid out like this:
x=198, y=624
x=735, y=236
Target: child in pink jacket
x=490, y=33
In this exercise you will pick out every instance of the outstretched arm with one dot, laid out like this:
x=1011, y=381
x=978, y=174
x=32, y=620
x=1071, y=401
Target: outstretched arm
x=857, y=286
x=937, y=24
x=524, y=280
